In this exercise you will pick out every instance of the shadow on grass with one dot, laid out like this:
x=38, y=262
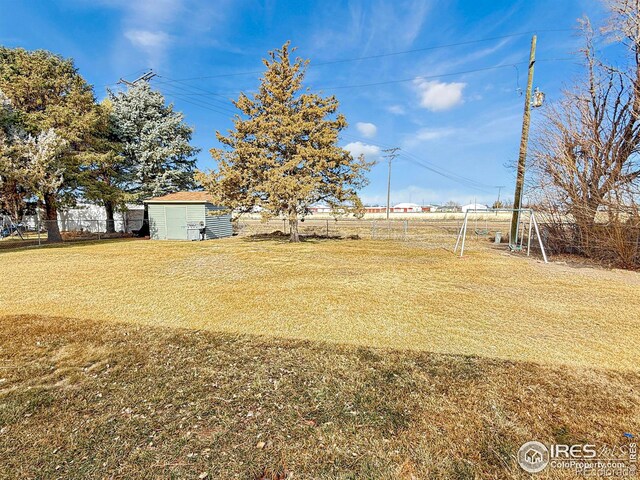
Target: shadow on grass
x=81, y=398
x=280, y=237
x=66, y=244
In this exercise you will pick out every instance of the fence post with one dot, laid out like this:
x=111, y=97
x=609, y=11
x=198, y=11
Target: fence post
x=38, y=224
x=327, y=228
x=529, y=237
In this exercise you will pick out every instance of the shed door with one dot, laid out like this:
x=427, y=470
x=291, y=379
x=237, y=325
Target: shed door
x=176, y=222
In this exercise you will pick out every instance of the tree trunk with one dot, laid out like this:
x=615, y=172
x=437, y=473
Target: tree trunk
x=144, y=230
x=293, y=228
x=585, y=218
x=51, y=219
x=111, y=227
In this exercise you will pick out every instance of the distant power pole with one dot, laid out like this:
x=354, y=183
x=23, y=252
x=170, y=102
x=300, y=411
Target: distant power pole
x=522, y=157
x=391, y=153
x=500, y=187
x=144, y=78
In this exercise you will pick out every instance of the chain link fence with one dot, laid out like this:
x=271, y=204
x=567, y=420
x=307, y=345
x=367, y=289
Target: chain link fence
x=31, y=231
x=429, y=231
x=435, y=231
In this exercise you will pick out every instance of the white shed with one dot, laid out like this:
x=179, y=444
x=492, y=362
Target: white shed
x=474, y=207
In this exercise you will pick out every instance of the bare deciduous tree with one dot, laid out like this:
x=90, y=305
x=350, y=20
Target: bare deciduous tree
x=586, y=150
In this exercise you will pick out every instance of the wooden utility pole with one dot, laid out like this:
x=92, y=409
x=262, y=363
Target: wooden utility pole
x=522, y=156
x=391, y=154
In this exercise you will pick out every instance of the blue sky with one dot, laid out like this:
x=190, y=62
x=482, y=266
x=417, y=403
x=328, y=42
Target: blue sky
x=465, y=126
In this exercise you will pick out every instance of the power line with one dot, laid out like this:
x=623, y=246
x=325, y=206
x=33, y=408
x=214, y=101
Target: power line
x=389, y=82
x=468, y=182
x=382, y=55
x=418, y=77
x=203, y=92
x=195, y=103
x=449, y=173
x=192, y=87
x=219, y=105
x=151, y=74
x=436, y=47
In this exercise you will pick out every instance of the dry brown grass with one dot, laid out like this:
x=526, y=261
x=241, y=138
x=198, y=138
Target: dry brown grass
x=366, y=293
x=82, y=399
x=347, y=358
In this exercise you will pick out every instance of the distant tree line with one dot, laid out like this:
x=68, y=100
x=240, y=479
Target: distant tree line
x=58, y=144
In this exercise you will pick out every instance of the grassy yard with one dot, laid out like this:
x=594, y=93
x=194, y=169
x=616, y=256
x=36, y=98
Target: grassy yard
x=244, y=358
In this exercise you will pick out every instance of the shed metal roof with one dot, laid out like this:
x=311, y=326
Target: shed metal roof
x=182, y=197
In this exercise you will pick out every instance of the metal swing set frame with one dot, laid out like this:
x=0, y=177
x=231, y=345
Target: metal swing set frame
x=12, y=225
x=513, y=243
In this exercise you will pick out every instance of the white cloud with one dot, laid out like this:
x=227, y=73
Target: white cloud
x=147, y=40
x=428, y=134
x=437, y=96
x=147, y=12
x=146, y=26
x=364, y=25
x=153, y=27
x=370, y=152
x=396, y=109
x=367, y=130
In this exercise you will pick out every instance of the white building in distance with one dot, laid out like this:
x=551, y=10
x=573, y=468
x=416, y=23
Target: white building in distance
x=474, y=207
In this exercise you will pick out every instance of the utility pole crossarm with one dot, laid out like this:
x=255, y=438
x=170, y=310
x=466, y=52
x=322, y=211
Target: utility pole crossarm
x=144, y=78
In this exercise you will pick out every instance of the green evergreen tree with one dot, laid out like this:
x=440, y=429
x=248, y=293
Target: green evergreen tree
x=106, y=173
x=12, y=194
x=56, y=108
x=155, y=141
x=282, y=155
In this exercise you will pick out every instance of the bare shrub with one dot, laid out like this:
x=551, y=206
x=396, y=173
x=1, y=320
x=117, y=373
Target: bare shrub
x=585, y=154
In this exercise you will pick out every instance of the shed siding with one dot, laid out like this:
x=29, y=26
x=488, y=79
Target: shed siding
x=195, y=212
x=218, y=226
x=157, y=223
